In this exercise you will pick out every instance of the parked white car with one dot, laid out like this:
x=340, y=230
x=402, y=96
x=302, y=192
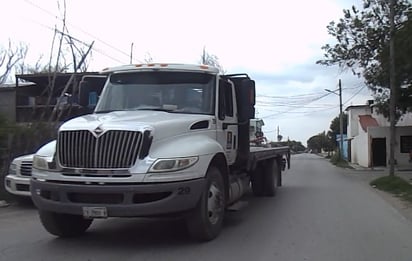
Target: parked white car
x=17, y=181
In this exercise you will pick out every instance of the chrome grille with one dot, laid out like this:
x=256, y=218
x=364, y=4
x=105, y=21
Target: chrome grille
x=25, y=168
x=111, y=150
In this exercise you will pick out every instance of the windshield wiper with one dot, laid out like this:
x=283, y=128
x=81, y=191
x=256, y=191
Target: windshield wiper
x=154, y=109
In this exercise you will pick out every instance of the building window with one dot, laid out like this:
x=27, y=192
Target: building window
x=406, y=144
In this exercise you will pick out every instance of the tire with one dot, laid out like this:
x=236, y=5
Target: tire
x=257, y=181
x=266, y=178
x=270, y=177
x=279, y=173
x=64, y=225
x=204, y=223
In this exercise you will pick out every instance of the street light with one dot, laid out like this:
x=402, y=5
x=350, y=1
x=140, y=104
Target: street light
x=340, y=117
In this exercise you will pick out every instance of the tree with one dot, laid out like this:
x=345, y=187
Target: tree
x=211, y=59
x=293, y=145
x=296, y=146
x=334, y=128
x=148, y=58
x=320, y=142
x=10, y=57
x=363, y=47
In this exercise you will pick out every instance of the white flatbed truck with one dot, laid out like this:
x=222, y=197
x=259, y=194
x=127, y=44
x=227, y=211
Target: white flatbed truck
x=164, y=139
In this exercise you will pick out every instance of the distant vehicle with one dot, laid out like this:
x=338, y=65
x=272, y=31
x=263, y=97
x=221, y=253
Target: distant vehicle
x=256, y=136
x=17, y=181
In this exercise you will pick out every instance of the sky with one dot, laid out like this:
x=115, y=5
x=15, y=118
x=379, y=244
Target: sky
x=276, y=42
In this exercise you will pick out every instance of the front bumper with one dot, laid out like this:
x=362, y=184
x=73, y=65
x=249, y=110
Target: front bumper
x=120, y=200
x=16, y=185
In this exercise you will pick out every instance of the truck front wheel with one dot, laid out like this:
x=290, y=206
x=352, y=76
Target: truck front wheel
x=205, y=221
x=64, y=225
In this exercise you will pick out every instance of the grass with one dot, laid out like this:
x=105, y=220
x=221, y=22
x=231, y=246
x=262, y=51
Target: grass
x=394, y=185
x=339, y=162
x=343, y=164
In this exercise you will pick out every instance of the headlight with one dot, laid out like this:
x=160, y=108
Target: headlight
x=44, y=163
x=174, y=164
x=13, y=169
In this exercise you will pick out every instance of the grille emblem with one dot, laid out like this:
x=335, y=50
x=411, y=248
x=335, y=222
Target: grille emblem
x=98, y=131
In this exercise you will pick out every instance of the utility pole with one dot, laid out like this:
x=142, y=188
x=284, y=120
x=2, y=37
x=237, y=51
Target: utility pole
x=66, y=87
x=131, y=53
x=340, y=121
x=392, y=98
x=340, y=117
x=278, y=137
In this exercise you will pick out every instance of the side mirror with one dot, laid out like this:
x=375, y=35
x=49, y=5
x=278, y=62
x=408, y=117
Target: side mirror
x=222, y=106
x=247, y=99
x=84, y=91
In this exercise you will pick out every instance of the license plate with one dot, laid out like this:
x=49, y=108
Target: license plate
x=94, y=212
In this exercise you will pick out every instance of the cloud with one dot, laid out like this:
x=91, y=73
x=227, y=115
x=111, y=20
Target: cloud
x=276, y=43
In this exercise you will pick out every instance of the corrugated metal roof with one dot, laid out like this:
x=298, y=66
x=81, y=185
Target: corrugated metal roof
x=367, y=121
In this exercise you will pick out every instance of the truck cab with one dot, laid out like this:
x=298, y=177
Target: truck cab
x=164, y=139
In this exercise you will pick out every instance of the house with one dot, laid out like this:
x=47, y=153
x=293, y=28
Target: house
x=32, y=99
x=7, y=102
x=369, y=137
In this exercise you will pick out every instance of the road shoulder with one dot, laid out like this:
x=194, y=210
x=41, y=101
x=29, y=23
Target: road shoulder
x=367, y=175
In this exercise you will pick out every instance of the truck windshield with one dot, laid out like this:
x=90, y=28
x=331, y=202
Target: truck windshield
x=179, y=92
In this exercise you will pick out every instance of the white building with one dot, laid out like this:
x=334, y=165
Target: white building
x=369, y=137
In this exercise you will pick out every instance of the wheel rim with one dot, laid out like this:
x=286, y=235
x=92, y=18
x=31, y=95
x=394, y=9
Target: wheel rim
x=214, y=203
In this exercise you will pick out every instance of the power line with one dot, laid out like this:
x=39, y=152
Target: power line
x=283, y=112
x=76, y=27
x=296, y=104
x=301, y=96
x=94, y=48
x=354, y=95
x=108, y=56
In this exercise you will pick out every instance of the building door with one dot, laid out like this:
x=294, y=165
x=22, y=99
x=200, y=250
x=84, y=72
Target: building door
x=379, y=152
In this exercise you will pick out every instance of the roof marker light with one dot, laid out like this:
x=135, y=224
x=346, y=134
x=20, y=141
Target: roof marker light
x=204, y=67
x=138, y=65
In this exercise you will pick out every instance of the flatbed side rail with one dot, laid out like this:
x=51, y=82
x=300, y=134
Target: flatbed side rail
x=260, y=153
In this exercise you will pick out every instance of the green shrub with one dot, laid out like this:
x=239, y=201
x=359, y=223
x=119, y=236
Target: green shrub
x=21, y=139
x=337, y=160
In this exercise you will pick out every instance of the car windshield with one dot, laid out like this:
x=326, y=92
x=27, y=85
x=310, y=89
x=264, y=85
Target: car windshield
x=180, y=92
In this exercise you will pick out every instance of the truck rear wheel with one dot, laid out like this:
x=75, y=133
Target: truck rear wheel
x=204, y=223
x=64, y=225
x=257, y=181
x=279, y=170
x=265, y=179
x=270, y=176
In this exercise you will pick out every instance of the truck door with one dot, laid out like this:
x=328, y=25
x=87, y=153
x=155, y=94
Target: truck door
x=227, y=131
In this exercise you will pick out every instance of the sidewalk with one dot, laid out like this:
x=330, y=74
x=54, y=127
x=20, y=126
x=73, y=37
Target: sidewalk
x=369, y=174
x=405, y=173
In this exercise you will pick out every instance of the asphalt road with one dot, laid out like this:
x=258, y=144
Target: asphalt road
x=321, y=213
